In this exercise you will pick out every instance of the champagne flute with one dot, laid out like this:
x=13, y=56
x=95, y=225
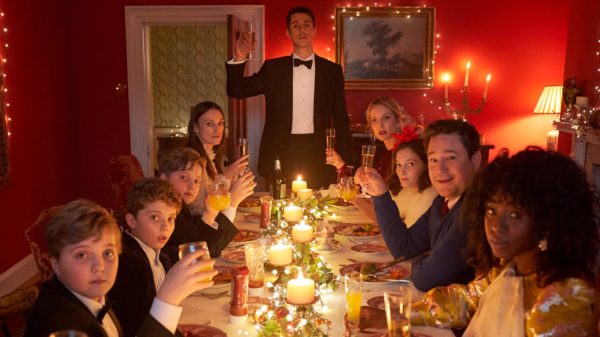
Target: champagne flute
x=330, y=138
x=251, y=35
x=243, y=147
x=368, y=154
x=242, y=144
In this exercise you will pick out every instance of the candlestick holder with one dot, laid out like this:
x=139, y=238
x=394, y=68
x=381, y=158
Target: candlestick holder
x=461, y=114
x=303, y=307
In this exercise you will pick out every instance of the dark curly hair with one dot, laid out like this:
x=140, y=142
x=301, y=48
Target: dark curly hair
x=418, y=147
x=555, y=194
x=195, y=143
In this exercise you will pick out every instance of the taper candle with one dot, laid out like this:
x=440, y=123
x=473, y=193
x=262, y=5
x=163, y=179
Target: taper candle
x=467, y=74
x=487, y=84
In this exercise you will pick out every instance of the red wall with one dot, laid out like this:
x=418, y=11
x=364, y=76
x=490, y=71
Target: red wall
x=584, y=42
x=68, y=121
x=42, y=154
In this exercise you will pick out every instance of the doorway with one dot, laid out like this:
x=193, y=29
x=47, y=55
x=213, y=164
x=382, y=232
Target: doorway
x=138, y=23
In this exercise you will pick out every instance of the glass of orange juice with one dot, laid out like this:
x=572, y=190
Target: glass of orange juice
x=218, y=196
x=348, y=189
x=191, y=247
x=353, y=287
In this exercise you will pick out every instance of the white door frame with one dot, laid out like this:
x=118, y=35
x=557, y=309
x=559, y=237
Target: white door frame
x=138, y=20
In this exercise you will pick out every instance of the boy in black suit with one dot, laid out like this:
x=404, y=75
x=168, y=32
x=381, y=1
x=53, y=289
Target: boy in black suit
x=152, y=206
x=182, y=168
x=84, y=241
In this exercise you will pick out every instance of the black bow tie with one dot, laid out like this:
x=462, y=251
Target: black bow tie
x=299, y=62
x=103, y=311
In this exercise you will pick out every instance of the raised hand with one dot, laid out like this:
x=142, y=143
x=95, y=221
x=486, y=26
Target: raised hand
x=333, y=158
x=371, y=178
x=241, y=188
x=243, y=46
x=236, y=167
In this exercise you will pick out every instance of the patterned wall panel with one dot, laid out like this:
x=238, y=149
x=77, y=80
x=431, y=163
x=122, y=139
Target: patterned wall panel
x=187, y=68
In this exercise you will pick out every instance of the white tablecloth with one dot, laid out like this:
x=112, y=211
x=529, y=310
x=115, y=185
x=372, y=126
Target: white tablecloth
x=201, y=309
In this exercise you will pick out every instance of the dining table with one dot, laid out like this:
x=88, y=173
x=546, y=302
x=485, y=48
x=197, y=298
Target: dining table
x=211, y=306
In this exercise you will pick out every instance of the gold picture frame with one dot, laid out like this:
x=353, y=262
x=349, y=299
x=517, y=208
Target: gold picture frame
x=385, y=47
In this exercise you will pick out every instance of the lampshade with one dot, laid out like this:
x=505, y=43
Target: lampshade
x=550, y=101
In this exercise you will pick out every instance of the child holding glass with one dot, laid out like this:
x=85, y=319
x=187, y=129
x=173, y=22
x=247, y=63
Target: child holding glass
x=152, y=206
x=84, y=242
x=182, y=168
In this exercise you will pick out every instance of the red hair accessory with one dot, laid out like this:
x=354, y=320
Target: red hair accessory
x=409, y=133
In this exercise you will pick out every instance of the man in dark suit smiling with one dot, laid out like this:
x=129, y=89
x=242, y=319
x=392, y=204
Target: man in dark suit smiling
x=304, y=95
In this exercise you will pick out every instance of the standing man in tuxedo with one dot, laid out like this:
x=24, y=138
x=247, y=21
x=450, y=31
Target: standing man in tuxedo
x=304, y=95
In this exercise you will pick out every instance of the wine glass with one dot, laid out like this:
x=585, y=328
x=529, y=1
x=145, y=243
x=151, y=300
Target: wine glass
x=368, y=154
x=348, y=188
x=218, y=196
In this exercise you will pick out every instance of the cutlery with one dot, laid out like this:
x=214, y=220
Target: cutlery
x=215, y=295
x=391, y=263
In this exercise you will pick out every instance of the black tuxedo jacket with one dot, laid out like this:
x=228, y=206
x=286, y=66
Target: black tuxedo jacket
x=275, y=81
x=134, y=289
x=190, y=228
x=58, y=309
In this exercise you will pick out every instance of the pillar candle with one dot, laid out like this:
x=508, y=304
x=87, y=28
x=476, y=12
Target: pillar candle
x=280, y=255
x=292, y=213
x=302, y=232
x=467, y=74
x=305, y=193
x=298, y=184
x=301, y=290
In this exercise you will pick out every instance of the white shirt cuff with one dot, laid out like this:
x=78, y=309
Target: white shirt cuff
x=166, y=314
x=233, y=61
x=229, y=212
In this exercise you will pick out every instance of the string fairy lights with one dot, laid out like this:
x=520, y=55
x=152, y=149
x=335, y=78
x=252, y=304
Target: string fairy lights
x=3, y=57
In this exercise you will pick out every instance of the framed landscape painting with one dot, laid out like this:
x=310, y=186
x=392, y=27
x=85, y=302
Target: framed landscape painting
x=385, y=47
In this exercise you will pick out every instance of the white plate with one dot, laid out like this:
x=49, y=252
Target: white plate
x=369, y=248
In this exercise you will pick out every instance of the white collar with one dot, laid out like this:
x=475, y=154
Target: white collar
x=152, y=254
x=311, y=57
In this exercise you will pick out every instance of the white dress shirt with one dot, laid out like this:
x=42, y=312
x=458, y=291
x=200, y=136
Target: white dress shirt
x=303, y=97
x=95, y=307
x=153, y=255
